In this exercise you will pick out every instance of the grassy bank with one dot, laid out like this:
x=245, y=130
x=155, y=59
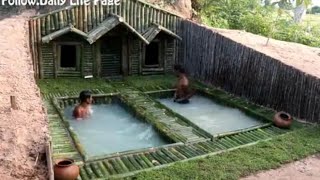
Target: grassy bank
x=233, y=165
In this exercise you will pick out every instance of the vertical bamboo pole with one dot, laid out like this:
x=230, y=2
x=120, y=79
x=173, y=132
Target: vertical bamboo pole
x=97, y=14
x=146, y=17
x=97, y=8
x=115, y=7
x=131, y=14
x=56, y=20
x=150, y=15
x=101, y=12
x=85, y=18
x=122, y=12
x=39, y=48
x=76, y=15
x=107, y=9
x=143, y=20
x=36, y=58
x=52, y=22
x=60, y=20
x=127, y=8
x=55, y=59
x=80, y=20
x=161, y=22
x=13, y=102
x=48, y=23
x=73, y=19
x=89, y=18
x=68, y=17
x=135, y=17
x=65, y=18
x=43, y=26
x=93, y=12
x=31, y=42
x=138, y=16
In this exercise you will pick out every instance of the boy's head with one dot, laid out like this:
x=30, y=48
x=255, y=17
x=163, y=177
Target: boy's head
x=85, y=97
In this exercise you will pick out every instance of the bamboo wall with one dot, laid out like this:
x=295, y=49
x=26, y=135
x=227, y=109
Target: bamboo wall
x=138, y=14
x=169, y=55
x=217, y=60
x=48, y=59
x=135, y=49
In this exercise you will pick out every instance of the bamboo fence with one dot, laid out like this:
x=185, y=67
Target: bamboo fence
x=220, y=61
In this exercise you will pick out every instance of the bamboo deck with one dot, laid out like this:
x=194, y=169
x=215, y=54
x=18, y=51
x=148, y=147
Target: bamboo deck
x=190, y=143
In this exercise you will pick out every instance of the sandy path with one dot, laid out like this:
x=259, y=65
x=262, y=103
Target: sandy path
x=22, y=132
x=305, y=169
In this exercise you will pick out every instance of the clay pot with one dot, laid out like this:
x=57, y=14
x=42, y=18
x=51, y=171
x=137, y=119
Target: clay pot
x=282, y=120
x=66, y=169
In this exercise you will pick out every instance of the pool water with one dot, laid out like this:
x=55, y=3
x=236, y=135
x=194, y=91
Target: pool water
x=210, y=116
x=112, y=129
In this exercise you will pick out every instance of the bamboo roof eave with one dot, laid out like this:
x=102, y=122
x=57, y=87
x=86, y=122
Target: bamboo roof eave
x=65, y=30
x=103, y=28
x=111, y=22
x=155, y=29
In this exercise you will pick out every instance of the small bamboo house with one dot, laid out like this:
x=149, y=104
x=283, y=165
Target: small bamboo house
x=104, y=40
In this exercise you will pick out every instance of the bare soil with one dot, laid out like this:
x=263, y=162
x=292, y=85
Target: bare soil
x=23, y=132
x=306, y=169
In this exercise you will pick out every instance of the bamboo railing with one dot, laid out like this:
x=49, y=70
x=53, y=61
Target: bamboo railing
x=220, y=61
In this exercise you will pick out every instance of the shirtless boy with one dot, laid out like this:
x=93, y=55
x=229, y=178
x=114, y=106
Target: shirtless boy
x=82, y=110
x=183, y=93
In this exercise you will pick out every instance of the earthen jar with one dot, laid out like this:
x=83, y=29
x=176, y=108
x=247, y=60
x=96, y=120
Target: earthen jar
x=65, y=169
x=282, y=120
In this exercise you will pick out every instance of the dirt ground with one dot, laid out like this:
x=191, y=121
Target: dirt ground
x=306, y=169
x=23, y=132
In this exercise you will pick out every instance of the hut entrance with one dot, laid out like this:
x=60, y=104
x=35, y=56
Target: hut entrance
x=111, y=56
x=152, y=55
x=68, y=56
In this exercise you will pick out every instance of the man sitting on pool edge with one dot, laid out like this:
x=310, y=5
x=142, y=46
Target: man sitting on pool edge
x=183, y=93
x=83, y=110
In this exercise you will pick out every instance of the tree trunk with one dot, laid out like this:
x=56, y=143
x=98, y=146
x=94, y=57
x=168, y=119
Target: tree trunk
x=299, y=12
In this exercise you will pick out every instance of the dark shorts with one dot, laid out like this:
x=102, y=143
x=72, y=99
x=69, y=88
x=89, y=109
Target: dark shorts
x=182, y=101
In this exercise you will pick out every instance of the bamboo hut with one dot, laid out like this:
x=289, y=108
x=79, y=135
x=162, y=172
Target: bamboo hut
x=104, y=40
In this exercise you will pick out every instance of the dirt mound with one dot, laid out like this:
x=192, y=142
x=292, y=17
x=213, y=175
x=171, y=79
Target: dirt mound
x=23, y=132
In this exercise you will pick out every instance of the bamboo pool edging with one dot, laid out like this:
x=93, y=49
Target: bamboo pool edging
x=132, y=173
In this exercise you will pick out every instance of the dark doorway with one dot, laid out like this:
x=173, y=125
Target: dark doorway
x=111, y=48
x=152, y=55
x=68, y=56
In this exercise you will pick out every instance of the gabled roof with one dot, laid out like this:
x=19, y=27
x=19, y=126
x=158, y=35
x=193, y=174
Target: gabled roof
x=155, y=29
x=65, y=30
x=108, y=24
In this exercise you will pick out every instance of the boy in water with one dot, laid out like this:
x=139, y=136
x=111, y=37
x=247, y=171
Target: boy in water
x=83, y=110
x=183, y=93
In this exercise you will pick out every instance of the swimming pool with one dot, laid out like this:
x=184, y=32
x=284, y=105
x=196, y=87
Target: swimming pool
x=112, y=129
x=211, y=116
